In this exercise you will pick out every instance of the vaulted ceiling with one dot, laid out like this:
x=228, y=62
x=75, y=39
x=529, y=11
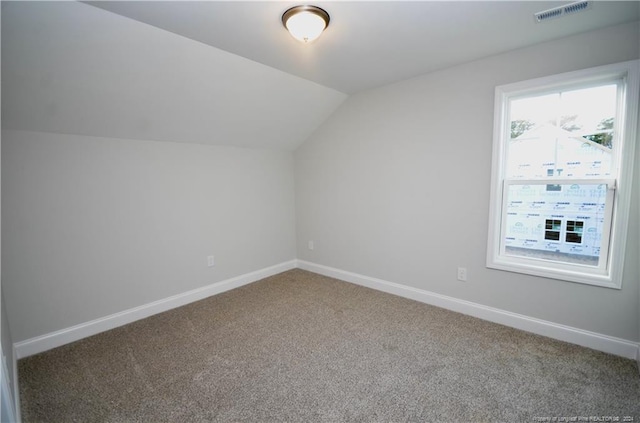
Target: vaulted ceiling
x=227, y=73
x=371, y=43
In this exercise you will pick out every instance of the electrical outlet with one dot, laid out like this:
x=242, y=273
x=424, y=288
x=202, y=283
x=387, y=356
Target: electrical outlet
x=462, y=274
x=210, y=261
x=311, y=245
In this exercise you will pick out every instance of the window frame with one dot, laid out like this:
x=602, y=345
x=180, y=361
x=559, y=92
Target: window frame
x=619, y=183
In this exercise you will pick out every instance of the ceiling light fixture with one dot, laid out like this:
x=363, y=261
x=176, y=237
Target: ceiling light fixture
x=305, y=23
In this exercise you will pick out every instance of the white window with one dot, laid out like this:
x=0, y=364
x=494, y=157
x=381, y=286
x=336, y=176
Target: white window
x=562, y=171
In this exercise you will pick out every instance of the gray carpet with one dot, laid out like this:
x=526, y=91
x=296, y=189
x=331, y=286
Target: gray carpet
x=303, y=347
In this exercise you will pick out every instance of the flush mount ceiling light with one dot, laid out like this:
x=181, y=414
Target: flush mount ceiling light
x=305, y=23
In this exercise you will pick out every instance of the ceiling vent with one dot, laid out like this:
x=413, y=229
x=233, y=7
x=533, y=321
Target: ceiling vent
x=556, y=12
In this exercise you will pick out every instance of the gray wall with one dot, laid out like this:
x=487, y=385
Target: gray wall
x=395, y=185
x=94, y=226
x=5, y=332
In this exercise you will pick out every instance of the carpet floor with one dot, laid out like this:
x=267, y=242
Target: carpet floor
x=301, y=347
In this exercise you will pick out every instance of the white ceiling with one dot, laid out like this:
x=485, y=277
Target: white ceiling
x=120, y=71
x=75, y=69
x=369, y=44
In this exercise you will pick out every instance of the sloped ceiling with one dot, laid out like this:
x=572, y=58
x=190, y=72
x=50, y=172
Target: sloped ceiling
x=68, y=67
x=371, y=43
x=227, y=73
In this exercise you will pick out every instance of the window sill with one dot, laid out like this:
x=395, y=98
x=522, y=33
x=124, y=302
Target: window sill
x=604, y=281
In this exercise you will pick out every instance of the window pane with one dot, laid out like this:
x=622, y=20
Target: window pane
x=567, y=134
x=562, y=225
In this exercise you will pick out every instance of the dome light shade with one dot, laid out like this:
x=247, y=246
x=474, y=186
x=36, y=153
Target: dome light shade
x=305, y=23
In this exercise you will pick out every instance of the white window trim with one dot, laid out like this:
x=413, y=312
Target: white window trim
x=611, y=275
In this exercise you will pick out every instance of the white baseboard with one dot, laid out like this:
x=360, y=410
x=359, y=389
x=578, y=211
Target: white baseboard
x=65, y=336
x=596, y=341
x=612, y=345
